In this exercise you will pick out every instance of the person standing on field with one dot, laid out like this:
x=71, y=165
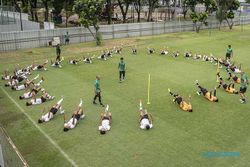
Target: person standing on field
x=58, y=52
x=66, y=37
x=122, y=68
x=98, y=91
x=243, y=87
x=229, y=53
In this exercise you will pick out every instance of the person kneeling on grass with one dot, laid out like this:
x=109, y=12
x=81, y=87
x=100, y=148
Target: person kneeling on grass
x=45, y=97
x=185, y=106
x=146, y=119
x=49, y=115
x=105, y=121
x=227, y=87
x=76, y=116
x=211, y=96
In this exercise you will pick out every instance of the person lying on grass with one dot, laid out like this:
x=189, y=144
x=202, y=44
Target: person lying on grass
x=57, y=63
x=105, y=56
x=211, y=96
x=14, y=83
x=14, y=80
x=53, y=110
x=105, y=121
x=74, y=61
x=188, y=54
x=35, y=101
x=234, y=68
x=27, y=84
x=233, y=77
x=146, y=119
x=185, y=106
x=32, y=92
x=176, y=54
x=227, y=87
x=164, y=52
x=151, y=50
x=134, y=50
x=197, y=56
x=39, y=67
x=88, y=59
x=117, y=50
x=76, y=116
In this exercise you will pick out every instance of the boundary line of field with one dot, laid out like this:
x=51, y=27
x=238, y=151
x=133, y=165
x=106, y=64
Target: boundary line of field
x=45, y=135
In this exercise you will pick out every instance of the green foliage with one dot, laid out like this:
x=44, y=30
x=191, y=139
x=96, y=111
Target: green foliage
x=89, y=11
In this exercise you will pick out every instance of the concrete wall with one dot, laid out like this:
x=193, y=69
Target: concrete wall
x=31, y=39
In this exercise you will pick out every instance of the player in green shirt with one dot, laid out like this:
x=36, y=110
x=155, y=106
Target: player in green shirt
x=229, y=53
x=98, y=91
x=243, y=86
x=66, y=37
x=122, y=68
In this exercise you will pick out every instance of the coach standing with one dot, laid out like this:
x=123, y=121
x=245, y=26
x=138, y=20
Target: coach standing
x=98, y=91
x=122, y=68
x=243, y=86
x=58, y=52
x=229, y=53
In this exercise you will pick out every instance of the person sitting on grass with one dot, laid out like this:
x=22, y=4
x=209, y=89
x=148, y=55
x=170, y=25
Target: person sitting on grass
x=197, y=56
x=76, y=116
x=151, y=50
x=74, y=61
x=233, y=77
x=53, y=110
x=103, y=56
x=57, y=63
x=31, y=93
x=211, y=96
x=117, y=50
x=146, y=119
x=105, y=121
x=27, y=84
x=235, y=69
x=35, y=101
x=227, y=87
x=39, y=67
x=185, y=106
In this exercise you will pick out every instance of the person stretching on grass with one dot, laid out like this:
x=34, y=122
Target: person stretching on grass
x=27, y=84
x=146, y=119
x=31, y=93
x=233, y=77
x=53, y=110
x=243, y=87
x=211, y=96
x=151, y=50
x=185, y=106
x=98, y=91
x=76, y=116
x=35, y=101
x=39, y=67
x=122, y=68
x=105, y=121
x=227, y=87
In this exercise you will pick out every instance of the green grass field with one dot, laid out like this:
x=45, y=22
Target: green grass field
x=177, y=139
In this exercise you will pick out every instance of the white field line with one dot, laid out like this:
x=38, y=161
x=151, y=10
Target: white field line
x=47, y=136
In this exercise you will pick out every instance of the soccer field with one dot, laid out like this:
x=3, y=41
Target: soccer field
x=177, y=139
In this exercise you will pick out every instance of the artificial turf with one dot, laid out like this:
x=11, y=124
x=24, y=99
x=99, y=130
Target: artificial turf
x=177, y=139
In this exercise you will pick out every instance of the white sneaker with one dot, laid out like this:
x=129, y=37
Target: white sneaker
x=198, y=93
x=62, y=112
x=82, y=116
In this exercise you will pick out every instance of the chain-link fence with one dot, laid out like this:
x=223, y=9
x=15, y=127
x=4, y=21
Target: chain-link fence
x=9, y=154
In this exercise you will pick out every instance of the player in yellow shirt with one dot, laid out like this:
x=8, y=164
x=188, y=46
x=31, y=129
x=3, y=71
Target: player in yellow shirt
x=185, y=106
x=228, y=87
x=211, y=96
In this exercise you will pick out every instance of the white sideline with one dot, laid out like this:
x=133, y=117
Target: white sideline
x=47, y=136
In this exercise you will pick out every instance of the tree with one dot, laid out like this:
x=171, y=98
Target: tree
x=124, y=4
x=185, y=8
x=58, y=6
x=46, y=6
x=200, y=18
x=89, y=12
x=68, y=7
x=226, y=10
x=33, y=10
x=138, y=7
x=152, y=4
x=108, y=10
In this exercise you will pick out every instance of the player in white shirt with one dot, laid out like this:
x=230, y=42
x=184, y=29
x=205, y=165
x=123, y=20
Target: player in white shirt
x=39, y=67
x=49, y=115
x=77, y=115
x=31, y=93
x=105, y=122
x=35, y=101
x=146, y=120
x=27, y=84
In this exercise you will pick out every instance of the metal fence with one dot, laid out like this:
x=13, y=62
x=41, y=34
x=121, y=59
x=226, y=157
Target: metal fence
x=9, y=154
x=31, y=39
